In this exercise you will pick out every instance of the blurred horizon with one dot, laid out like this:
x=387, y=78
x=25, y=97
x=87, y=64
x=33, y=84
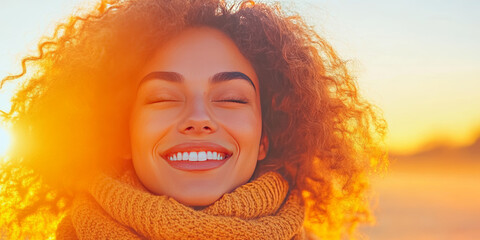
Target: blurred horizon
x=438, y=144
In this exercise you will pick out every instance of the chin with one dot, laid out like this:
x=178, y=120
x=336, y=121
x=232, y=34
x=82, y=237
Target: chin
x=197, y=201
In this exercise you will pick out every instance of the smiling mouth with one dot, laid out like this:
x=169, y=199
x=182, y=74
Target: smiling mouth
x=197, y=156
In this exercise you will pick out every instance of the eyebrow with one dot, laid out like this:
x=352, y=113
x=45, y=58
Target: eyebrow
x=178, y=78
x=226, y=76
x=167, y=76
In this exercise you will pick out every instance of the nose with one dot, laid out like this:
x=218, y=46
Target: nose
x=198, y=120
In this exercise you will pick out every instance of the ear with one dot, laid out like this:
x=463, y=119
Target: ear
x=263, y=149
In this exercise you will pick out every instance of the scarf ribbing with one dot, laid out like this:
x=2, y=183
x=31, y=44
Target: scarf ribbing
x=124, y=209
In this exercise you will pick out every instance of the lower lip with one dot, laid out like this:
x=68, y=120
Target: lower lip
x=197, y=165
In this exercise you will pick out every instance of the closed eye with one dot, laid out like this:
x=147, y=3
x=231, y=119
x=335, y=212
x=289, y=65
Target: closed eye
x=161, y=101
x=235, y=100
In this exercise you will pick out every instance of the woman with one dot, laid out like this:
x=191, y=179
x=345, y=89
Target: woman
x=188, y=119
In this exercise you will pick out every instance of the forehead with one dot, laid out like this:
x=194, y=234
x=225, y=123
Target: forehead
x=199, y=53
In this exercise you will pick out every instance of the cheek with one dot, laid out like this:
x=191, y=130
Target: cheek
x=245, y=125
x=149, y=125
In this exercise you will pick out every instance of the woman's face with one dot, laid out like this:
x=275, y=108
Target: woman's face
x=196, y=124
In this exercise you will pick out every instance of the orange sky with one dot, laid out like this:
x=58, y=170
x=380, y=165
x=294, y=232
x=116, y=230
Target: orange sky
x=420, y=62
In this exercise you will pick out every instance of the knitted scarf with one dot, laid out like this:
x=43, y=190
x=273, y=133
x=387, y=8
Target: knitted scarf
x=123, y=209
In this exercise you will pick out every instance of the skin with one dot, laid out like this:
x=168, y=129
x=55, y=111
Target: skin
x=167, y=113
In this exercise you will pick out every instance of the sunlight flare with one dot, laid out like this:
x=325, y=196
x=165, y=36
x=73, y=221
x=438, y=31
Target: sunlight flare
x=4, y=141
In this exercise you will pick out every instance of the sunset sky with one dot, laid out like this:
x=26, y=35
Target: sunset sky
x=419, y=61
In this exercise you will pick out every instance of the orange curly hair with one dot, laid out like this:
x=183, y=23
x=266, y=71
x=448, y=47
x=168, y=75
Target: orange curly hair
x=323, y=137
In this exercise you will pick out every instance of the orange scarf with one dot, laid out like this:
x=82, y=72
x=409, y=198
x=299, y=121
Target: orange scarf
x=124, y=209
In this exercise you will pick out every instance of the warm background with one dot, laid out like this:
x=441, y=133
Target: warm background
x=419, y=61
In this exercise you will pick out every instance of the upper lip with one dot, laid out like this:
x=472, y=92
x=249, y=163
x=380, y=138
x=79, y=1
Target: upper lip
x=196, y=147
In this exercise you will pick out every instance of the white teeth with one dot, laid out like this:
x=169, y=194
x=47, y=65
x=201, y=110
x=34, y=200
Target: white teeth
x=202, y=156
x=193, y=156
x=196, y=156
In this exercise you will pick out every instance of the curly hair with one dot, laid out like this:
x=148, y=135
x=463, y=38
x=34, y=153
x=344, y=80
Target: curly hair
x=70, y=117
